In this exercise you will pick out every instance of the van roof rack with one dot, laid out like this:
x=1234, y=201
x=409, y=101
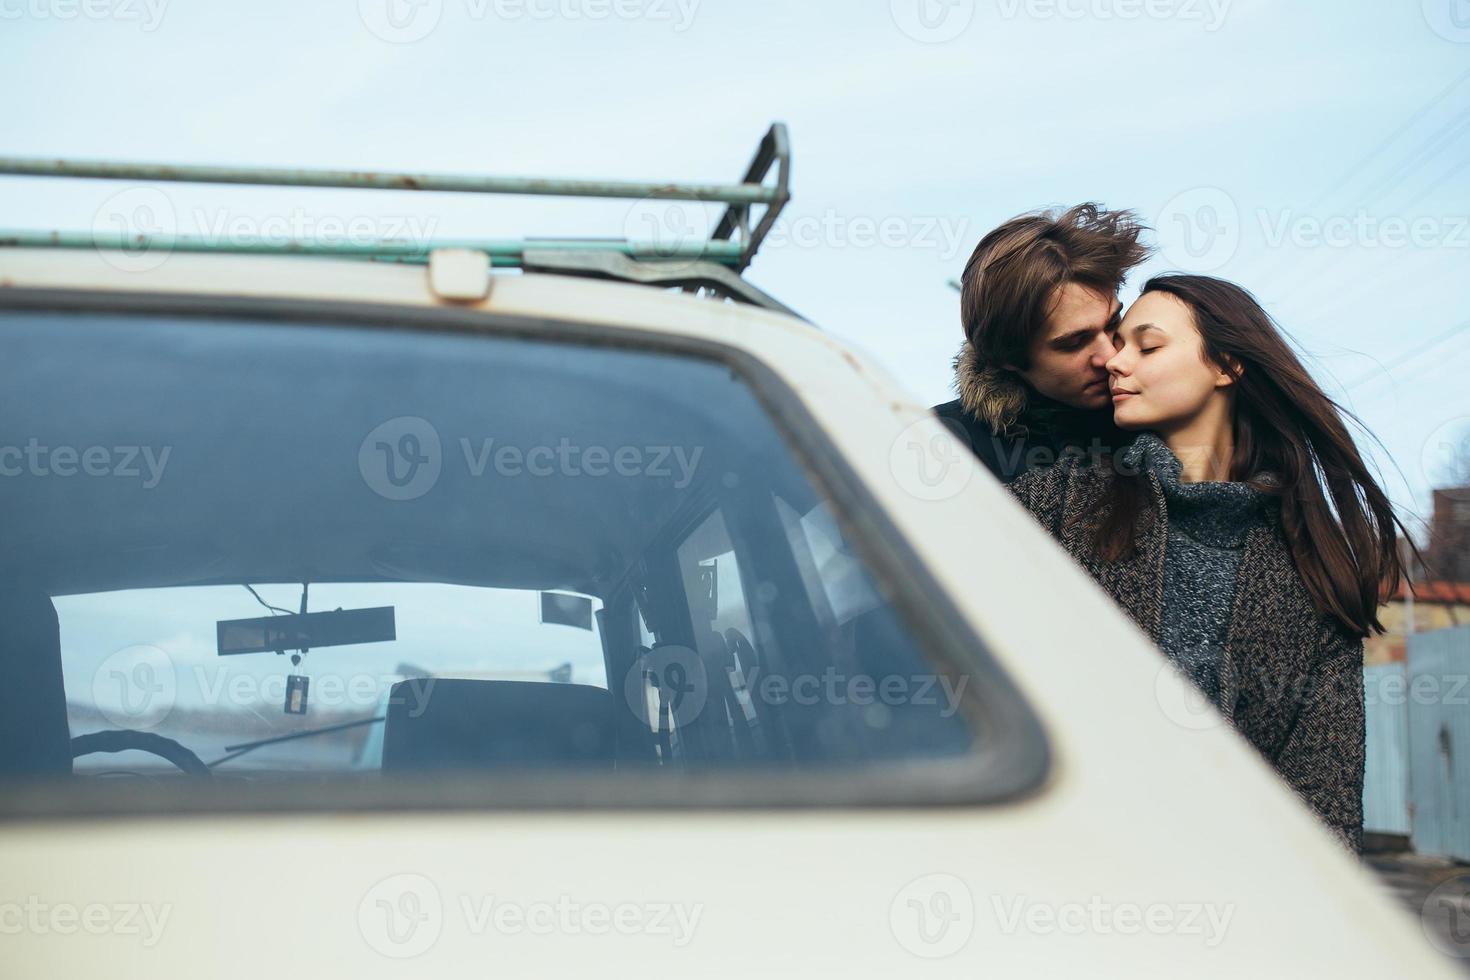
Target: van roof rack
x=712, y=265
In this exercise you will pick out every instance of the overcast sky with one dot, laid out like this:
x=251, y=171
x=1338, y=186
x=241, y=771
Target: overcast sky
x=1318, y=153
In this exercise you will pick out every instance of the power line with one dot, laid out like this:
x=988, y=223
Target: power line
x=1454, y=172
x=1413, y=161
x=1410, y=377
x=1395, y=179
x=1357, y=168
x=1445, y=136
x=1385, y=276
x=1409, y=355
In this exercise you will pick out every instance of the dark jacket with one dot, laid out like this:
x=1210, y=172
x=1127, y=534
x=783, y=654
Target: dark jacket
x=1291, y=679
x=1012, y=428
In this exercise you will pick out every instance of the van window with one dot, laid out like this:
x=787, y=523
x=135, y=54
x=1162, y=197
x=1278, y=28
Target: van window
x=249, y=553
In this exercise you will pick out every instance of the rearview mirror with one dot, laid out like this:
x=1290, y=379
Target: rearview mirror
x=272, y=634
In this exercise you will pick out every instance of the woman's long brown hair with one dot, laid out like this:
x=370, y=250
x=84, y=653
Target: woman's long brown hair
x=1338, y=522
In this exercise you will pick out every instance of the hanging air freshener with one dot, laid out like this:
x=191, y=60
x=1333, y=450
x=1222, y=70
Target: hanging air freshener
x=296, y=688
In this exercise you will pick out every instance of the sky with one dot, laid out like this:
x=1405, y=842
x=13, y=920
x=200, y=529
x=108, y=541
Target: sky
x=1316, y=152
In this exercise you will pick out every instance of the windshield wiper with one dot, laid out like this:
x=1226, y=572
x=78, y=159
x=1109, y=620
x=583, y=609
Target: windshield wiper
x=235, y=751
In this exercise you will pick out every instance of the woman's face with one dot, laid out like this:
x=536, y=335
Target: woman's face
x=1159, y=377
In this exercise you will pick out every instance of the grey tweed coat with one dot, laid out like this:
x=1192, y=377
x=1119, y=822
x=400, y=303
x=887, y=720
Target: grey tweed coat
x=1291, y=679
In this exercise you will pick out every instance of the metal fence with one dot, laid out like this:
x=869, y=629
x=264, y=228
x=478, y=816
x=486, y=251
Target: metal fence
x=1386, y=778
x=1417, y=779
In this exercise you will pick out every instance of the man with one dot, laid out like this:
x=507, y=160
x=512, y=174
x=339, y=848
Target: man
x=1039, y=302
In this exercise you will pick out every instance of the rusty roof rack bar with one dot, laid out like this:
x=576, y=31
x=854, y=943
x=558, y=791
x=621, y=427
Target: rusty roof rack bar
x=371, y=180
x=504, y=253
x=730, y=250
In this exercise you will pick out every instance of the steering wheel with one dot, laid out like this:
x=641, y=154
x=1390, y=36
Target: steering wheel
x=126, y=739
x=742, y=648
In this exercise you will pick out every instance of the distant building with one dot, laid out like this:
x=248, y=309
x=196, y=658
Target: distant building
x=1448, y=553
x=1441, y=581
x=1438, y=605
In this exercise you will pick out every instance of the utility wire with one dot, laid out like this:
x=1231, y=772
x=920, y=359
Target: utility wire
x=1357, y=168
x=1443, y=137
x=1455, y=171
x=1409, y=355
x=1272, y=276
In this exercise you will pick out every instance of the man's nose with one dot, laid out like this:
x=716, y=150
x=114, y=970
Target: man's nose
x=1102, y=351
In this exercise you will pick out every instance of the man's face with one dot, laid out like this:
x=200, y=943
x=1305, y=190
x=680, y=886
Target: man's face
x=1067, y=360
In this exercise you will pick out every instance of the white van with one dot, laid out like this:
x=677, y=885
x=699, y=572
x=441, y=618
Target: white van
x=796, y=688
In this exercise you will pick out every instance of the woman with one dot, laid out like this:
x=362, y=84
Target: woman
x=1241, y=530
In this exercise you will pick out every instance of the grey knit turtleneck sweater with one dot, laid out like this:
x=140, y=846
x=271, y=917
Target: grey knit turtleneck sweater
x=1208, y=525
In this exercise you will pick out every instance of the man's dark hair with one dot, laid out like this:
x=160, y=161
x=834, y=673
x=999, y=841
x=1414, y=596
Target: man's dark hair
x=1010, y=285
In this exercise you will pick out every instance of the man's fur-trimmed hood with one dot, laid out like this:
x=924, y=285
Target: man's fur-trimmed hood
x=992, y=395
